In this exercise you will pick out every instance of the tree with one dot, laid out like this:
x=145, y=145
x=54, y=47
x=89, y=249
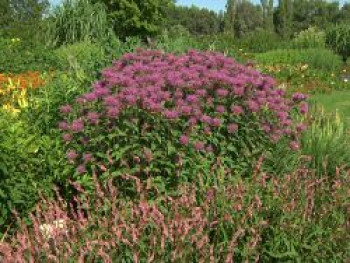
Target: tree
x=283, y=18
x=230, y=16
x=136, y=17
x=22, y=18
x=344, y=14
x=198, y=21
x=267, y=10
x=248, y=18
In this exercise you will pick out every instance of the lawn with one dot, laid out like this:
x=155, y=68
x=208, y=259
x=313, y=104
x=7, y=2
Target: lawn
x=337, y=100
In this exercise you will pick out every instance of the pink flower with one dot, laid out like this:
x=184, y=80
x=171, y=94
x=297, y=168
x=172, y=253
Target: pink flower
x=184, y=140
x=66, y=109
x=72, y=155
x=77, y=125
x=294, y=145
x=236, y=110
x=63, y=126
x=216, y=122
x=232, y=128
x=222, y=93
x=199, y=146
x=67, y=137
x=220, y=109
x=304, y=108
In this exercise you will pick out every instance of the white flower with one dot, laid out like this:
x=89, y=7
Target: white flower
x=48, y=229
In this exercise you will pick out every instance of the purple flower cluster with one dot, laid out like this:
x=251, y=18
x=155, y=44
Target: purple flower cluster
x=205, y=89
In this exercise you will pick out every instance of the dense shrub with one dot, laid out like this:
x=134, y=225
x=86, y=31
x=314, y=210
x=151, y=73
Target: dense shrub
x=321, y=59
x=260, y=41
x=338, y=39
x=81, y=58
x=235, y=220
x=309, y=38
x=171, y=116
x=17, y=56
x=24, y=167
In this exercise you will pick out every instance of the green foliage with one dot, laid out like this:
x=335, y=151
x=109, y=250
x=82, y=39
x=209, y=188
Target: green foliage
x=309, y=38
x=17, y=55
x=23, y=19
x=136, y=17
x=321, y=59
x=327, y=143
x=344, y=16
x=77, y=21
x=83, y=58
x=198, y=21
x=31, y=152
x=249, y=17
x=177, y=40
x=25, y=158
x=338, y=39
x=114, y=48
x=230, y=17
x=260, y=41
x=284, y=18
x=60, y=89
x=319, y=13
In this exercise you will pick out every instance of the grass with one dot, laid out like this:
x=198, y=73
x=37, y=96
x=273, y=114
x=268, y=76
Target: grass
x=337, y=100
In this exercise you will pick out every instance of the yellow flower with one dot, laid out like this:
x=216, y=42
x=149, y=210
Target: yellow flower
x=304, y=67
x=10, y=108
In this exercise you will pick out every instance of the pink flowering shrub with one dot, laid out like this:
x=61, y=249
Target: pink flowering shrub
x=164, y=115
x=296, y=218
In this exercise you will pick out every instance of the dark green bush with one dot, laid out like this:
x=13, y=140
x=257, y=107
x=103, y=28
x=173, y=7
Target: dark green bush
x=338, y=39
x=27, y=161
x=17, y=56
x=260, y=41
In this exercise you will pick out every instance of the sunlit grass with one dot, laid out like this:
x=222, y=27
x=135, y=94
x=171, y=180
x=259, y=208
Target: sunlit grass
x=337, y=100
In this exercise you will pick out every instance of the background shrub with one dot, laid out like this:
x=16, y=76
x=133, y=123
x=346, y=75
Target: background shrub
x=321, y=59
x=338, y=39
x=177, y=40
x=83, y=58
x=309, y=38
x=17, y=56
x=260, y=41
